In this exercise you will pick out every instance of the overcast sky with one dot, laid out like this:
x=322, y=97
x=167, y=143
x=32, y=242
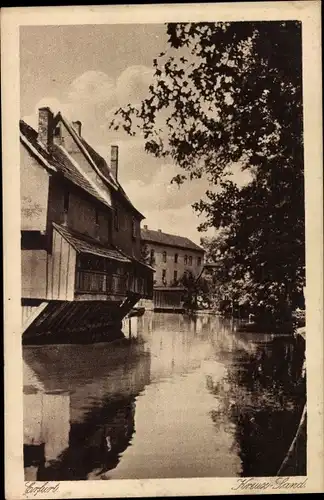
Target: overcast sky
x=86, y=71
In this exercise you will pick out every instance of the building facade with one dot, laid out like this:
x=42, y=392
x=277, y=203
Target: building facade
x=171, y=256
x=80, y=233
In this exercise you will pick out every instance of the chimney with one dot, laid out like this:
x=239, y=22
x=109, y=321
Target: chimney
x=114, y=161
x=159, y=230
x=145, y=226
x=45, y=126
x=77, y=127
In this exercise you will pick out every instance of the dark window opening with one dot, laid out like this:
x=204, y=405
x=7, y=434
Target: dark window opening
x=175, y=258
x=109, y=223
x=164, y=276
x=33, y=240
x=66, y=201
x=116, y=219
x=164, y=256
x=190, y=260
x=133, y=228
x=175, y=276
x=186, y=259
x=199, y=261
x=57, y=131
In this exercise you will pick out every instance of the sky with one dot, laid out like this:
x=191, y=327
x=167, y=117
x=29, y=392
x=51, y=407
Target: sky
x=87, y=71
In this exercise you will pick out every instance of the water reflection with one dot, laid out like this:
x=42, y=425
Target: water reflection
x=191, y=397
x=263, y=394
x=82, y=416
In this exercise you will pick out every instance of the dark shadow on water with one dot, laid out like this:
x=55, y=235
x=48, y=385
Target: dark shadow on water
x=264, y=397
x=95, y=444
x=83, y=418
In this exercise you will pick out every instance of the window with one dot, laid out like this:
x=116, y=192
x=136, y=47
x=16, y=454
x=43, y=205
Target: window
x=199, y=261
x=186, y=259
x=152, y=256
x=190, y=260
x=66, y=200
x=116, y=219
x=175, y=275
x=175, y=258
x=164, y=276
x=134, y=228
x=57, y=131
x=164, y=256
x=109, y=226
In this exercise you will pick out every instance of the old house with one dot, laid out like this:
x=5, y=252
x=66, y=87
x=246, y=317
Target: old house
x=171, y=256
x=80, y=234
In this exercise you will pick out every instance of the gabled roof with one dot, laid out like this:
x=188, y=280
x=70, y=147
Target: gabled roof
x=62, y=163
x=100, y=164
x=58, y=160
x=85, y=147
x=169, y=239
x=84, y=244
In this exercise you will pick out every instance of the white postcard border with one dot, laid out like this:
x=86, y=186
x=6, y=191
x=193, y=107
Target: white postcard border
x=309, y=13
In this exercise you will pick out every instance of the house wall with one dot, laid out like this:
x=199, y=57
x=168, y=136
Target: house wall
x=168, y=299
x=61, y=270
x=34, y=188
x=170, y=266
x=81, y=215
x=49, y=276
x=33, y=274
x=123, y=236
x=55, y=203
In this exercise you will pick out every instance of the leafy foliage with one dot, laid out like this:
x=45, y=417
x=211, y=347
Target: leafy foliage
x=196, y=291
x=229, y=94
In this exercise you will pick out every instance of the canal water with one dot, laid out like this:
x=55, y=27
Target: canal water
x=187, y=397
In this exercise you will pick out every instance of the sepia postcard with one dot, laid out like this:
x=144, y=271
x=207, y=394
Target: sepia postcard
x=163, y=250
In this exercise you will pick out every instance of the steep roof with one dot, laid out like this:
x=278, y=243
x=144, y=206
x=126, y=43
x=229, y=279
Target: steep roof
x=61, y=162
x=101, y=165
x=57, y=159
x=169, y=239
